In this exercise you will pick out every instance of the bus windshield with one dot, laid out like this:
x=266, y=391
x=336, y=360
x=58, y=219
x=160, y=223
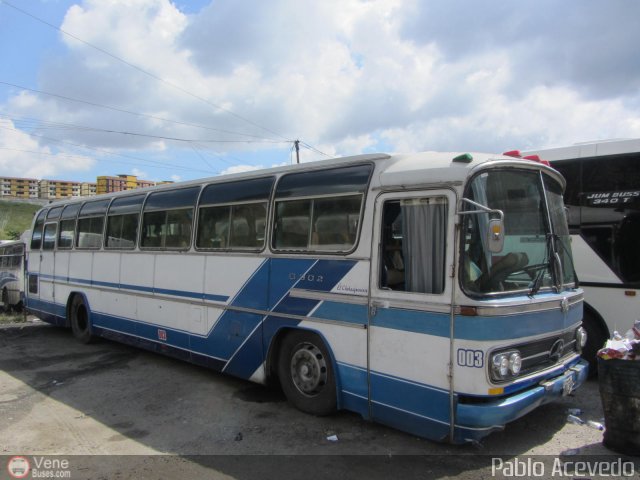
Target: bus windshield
x=536, y=252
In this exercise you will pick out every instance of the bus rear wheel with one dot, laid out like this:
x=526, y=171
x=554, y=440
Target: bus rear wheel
x=306, y=373
x=79, y=319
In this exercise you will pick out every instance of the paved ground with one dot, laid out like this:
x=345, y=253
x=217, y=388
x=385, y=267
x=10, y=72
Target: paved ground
x=58, y=397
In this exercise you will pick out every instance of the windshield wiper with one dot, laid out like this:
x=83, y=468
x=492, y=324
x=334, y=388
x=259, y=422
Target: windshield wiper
x=537, y=282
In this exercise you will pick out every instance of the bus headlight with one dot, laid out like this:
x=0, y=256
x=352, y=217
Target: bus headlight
x=515, y=363
x=581, y=338
x=500, y=364
x=506, y=364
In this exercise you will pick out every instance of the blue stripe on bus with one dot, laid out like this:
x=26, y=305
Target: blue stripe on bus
x=342, y=312
x=480, y=328
x=320, y=274
x=136, y=288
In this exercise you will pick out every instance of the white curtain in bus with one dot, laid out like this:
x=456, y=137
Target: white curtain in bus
x=424, y=244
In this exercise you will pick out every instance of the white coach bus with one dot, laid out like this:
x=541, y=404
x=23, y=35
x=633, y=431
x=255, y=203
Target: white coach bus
x=12, y=275
x=603, y=201
x=431, y=292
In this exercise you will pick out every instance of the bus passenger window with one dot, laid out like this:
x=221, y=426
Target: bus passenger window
x=178, y=228
x=36, y=236
x=68, y=226
x=335, y=223
x=247, y=225
x=122, y=222
x=213, y=227
x=90, y=232
x=414, y=245
x=49, y=241
x=122, y=231
x=293, y=224
x=152, y=229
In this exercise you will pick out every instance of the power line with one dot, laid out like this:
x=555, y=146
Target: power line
x=306, y=145
x=141, y=70
x=136, y=134
x=153, y=163
x=121, y=110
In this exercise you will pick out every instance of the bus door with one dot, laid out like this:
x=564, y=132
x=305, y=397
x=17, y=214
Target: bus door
x=46, y=290
x=410, y=309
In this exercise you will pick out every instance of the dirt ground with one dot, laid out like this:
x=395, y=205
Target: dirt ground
x=115, y=411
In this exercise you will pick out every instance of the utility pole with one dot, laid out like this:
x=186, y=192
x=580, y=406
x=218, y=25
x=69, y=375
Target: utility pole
x=296, y=143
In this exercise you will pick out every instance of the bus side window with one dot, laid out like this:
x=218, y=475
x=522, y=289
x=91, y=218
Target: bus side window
x=68, y=226
x=167, y=219
x=90, y=224
x=49, y=240
x=247, y=225
x=213, y=227
x=122, y=222
x=36, y=236
x=233, y=215
x=293, y=224
x=320, y=210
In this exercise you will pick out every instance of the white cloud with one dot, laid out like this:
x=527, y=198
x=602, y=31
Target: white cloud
x=346, y=76
x=22, y=156
x=139, y=173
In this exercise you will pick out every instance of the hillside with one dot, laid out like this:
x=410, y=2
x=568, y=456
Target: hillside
x=15, y=218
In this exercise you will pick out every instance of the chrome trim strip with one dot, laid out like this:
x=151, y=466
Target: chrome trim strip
x=501, y=310
x=328, y=296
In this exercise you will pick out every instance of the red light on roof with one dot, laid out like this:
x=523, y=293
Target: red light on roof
x=536, y=158
x=513, y=153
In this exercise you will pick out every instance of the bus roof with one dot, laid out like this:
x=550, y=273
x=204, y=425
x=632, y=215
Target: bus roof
x=589, y=149
x=392, y=170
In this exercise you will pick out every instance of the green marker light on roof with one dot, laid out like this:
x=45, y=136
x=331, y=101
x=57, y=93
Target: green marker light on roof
x=464, y=158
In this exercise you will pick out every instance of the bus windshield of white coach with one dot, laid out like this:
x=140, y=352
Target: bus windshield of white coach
x=536, y=250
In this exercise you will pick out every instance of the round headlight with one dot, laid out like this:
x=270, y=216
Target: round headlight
x=501, y=365
x=515, y=363
x=581, y=338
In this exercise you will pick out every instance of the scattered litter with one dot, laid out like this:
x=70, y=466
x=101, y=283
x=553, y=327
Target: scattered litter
x=589, y=423
x=238, y=437
x=595, y=425
x=570, y=452
x=475, y=443
x=625, y=347
x=575, y=411
x=575, y=420
x=332, y=438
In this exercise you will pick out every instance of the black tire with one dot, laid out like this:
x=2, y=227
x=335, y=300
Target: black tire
x=79, y=319
x=306, y=373
x=596, y=337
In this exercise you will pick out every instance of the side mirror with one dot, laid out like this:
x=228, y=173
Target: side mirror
x=495, y=242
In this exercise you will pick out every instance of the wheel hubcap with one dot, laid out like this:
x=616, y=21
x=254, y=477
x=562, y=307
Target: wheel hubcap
x=308, y=369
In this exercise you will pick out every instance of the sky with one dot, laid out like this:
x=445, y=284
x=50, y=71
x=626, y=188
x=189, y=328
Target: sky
x=186, y=89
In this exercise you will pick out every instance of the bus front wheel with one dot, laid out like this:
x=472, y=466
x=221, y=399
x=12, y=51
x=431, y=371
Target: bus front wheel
x=79, y=316
x=306, y=373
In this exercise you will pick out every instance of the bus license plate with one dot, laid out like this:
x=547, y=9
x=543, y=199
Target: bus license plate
x=568, y=385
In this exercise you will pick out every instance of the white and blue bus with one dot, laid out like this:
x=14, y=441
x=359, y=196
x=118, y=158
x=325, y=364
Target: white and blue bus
x=432, y=292
x=603, y=201
x=12, y=275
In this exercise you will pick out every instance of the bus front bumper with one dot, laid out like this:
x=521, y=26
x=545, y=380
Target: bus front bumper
x=476, y=420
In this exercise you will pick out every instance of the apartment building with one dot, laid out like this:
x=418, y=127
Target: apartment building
x=19, y=187
x=107, y=184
